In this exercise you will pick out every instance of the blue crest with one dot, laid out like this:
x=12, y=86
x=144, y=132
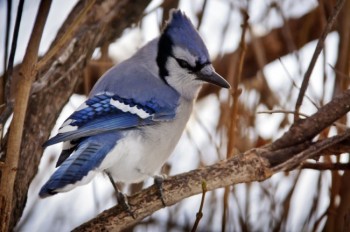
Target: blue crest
x=179, y=31
x=182, y=33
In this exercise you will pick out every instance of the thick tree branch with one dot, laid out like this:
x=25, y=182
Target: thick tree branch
x=326, y=166
x=253, y=165
x=312, y=151
x=239, y=169
x=305, y=129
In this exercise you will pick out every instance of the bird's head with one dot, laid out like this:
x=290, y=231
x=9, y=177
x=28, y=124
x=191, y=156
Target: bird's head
x=183, y=58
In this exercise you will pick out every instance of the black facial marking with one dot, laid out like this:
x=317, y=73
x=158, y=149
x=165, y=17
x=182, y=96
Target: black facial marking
x=183, y=64
x=165, y=45
x=199, y=66
x=164, y=51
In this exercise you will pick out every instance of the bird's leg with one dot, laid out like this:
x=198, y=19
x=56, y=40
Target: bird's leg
x=121, y=198
x=158, y=182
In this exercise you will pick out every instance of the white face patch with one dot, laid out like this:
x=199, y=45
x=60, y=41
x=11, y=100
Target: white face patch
x=184, y=54
x=66, y=127
x=180, y=79
x=131, y=109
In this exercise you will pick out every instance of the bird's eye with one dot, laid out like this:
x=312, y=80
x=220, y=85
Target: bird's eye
x=183, y=64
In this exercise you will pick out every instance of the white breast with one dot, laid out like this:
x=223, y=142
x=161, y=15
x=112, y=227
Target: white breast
x=141, y=153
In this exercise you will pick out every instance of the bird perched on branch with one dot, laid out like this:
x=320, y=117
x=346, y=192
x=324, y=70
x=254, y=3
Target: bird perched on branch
x=136, y=113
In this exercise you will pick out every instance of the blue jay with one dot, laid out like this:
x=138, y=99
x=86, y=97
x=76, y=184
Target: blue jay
x=137, y=111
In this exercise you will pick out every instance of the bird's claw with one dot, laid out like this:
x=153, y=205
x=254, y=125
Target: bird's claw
x=158, y=182
x=123, y=202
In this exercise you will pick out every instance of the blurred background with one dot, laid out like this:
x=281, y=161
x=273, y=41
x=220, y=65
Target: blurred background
x=280, y=39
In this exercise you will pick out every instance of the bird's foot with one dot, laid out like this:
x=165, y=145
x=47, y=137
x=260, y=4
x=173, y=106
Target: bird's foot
x=123, y=202
x=158, y=182
x=121, y=198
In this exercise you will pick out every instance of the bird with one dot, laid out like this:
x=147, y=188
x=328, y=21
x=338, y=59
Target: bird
x=136, y=112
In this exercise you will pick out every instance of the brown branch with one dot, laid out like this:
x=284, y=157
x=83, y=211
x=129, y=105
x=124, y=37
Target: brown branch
x=246, y=167
x=326, y=166
x=281, y=112
x=318, y=49
x=342, y=66
x=8, y=75
x=241, y=168
x=68, y=36
x=199, y=215
x=253, y=165
x=312, y=151
x=306, y=129
x=28, y=73
x=200, y=14
x=7, y=33
x=235, y=76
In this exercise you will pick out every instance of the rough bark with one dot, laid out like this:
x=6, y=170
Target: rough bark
x=242, y=168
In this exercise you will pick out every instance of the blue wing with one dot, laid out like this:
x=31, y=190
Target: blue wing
x=98, y=115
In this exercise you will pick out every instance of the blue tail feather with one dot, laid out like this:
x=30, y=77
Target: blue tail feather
x=88, y=156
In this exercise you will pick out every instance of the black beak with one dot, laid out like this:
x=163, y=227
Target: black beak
x=214, y=78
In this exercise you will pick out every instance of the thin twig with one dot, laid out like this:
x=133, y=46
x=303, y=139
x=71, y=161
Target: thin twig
x=337, y=124
x=236, y=91
x=326, y=166
x=294, y=84
x=207, y=132
x=7, y=33
x=288, y=35
x=312, y=151
x=318, y=49
x=8, y=71
x=308, y=128
x=339, y=73
x=280, y=112
x=225, y=28
x=200, y=15
x=199, y=215
x=234, y=108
